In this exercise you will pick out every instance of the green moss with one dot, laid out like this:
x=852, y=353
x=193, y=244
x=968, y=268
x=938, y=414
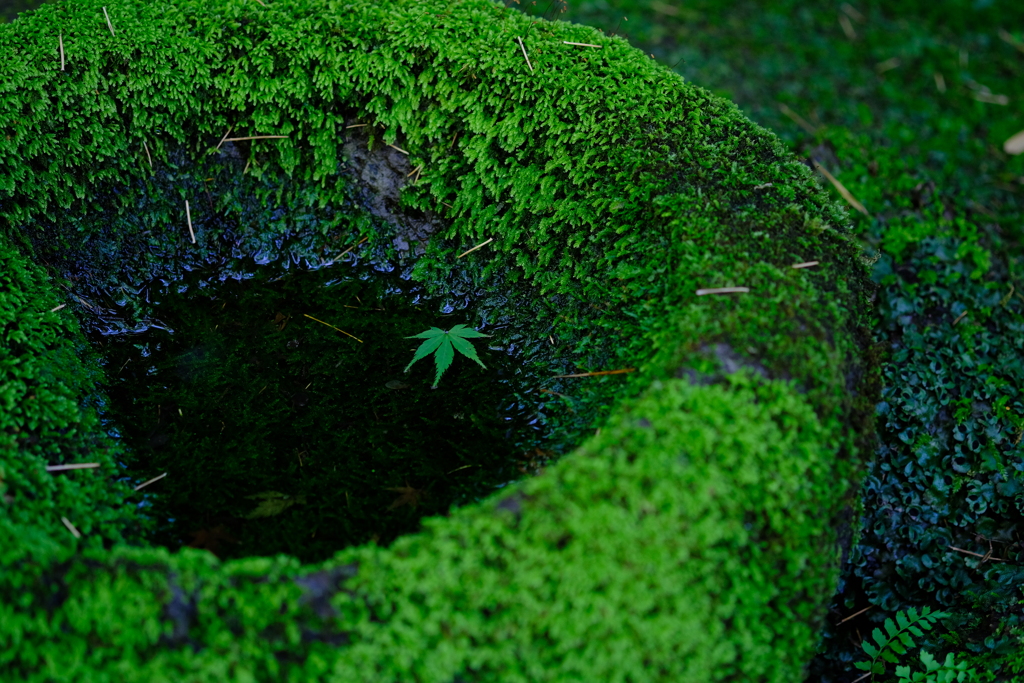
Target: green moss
x=693, y=538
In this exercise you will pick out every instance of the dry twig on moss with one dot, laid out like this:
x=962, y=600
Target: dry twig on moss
x=595, y=374
x=225, y=137
x=188, y=216
x=151, y=481
x=71, y=527
x=842, y=190
x=475, y=248
x=72, y=466
x=109, y=25
x=524, y=53
x=723, y=290
x=799, y=120
x=254, y=137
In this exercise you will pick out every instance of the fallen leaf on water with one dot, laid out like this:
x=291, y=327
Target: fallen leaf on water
x=409, y=496
x=273, y=503
x=443, y=344
x=211, y=539
x=533, y=463
x=1015, y=145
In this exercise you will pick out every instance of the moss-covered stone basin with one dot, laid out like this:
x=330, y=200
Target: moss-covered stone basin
x=707, y=383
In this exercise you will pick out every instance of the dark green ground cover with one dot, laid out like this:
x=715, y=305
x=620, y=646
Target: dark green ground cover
x=908, y=106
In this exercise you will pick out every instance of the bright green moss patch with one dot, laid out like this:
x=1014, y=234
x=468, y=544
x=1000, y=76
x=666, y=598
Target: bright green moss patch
x=48, y=417
x=695, y=534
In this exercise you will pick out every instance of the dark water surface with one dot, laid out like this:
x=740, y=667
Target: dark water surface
x=279, y=408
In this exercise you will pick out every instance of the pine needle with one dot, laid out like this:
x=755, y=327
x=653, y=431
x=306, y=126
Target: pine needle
x=799, y=120
x=595, y=374
x=71, y=527
x=1006, y=37
x=331, y=262
x=148, y=158
x=985, y=557
x=151, y=481
x=844, y=22
x=887, y=65
x=475, y=248
x=806, y=264
x=332, y=326
x=853, y=13
x=73, y=466
x=398, y=148
x=856, y=614
x=254, y=137
x=723, y=290
x=60, y=39
x=842, y=190
x=188, y=216
x=109, y=25
x=223, y=139
x=524, y=53
x=566, y=42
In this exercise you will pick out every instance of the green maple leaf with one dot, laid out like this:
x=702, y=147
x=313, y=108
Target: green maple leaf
x=443, y=344
x=273, y=503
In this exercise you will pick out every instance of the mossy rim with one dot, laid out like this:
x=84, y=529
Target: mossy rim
x=719, y=482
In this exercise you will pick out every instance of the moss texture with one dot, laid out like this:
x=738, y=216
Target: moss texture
x=696, y=536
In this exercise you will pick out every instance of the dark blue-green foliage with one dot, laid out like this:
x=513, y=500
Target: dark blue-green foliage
x=952, y=452
x=950, y=467
x=948, y=476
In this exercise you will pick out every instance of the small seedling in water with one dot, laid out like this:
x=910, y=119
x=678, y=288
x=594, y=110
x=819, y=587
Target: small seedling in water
x=443, y=345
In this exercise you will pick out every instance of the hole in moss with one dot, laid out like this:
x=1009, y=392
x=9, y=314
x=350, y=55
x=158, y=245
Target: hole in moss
x=280, y=433
x=264, y=373
x=261, y=366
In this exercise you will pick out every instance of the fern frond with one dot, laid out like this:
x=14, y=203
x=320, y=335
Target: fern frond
x=897, y=639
